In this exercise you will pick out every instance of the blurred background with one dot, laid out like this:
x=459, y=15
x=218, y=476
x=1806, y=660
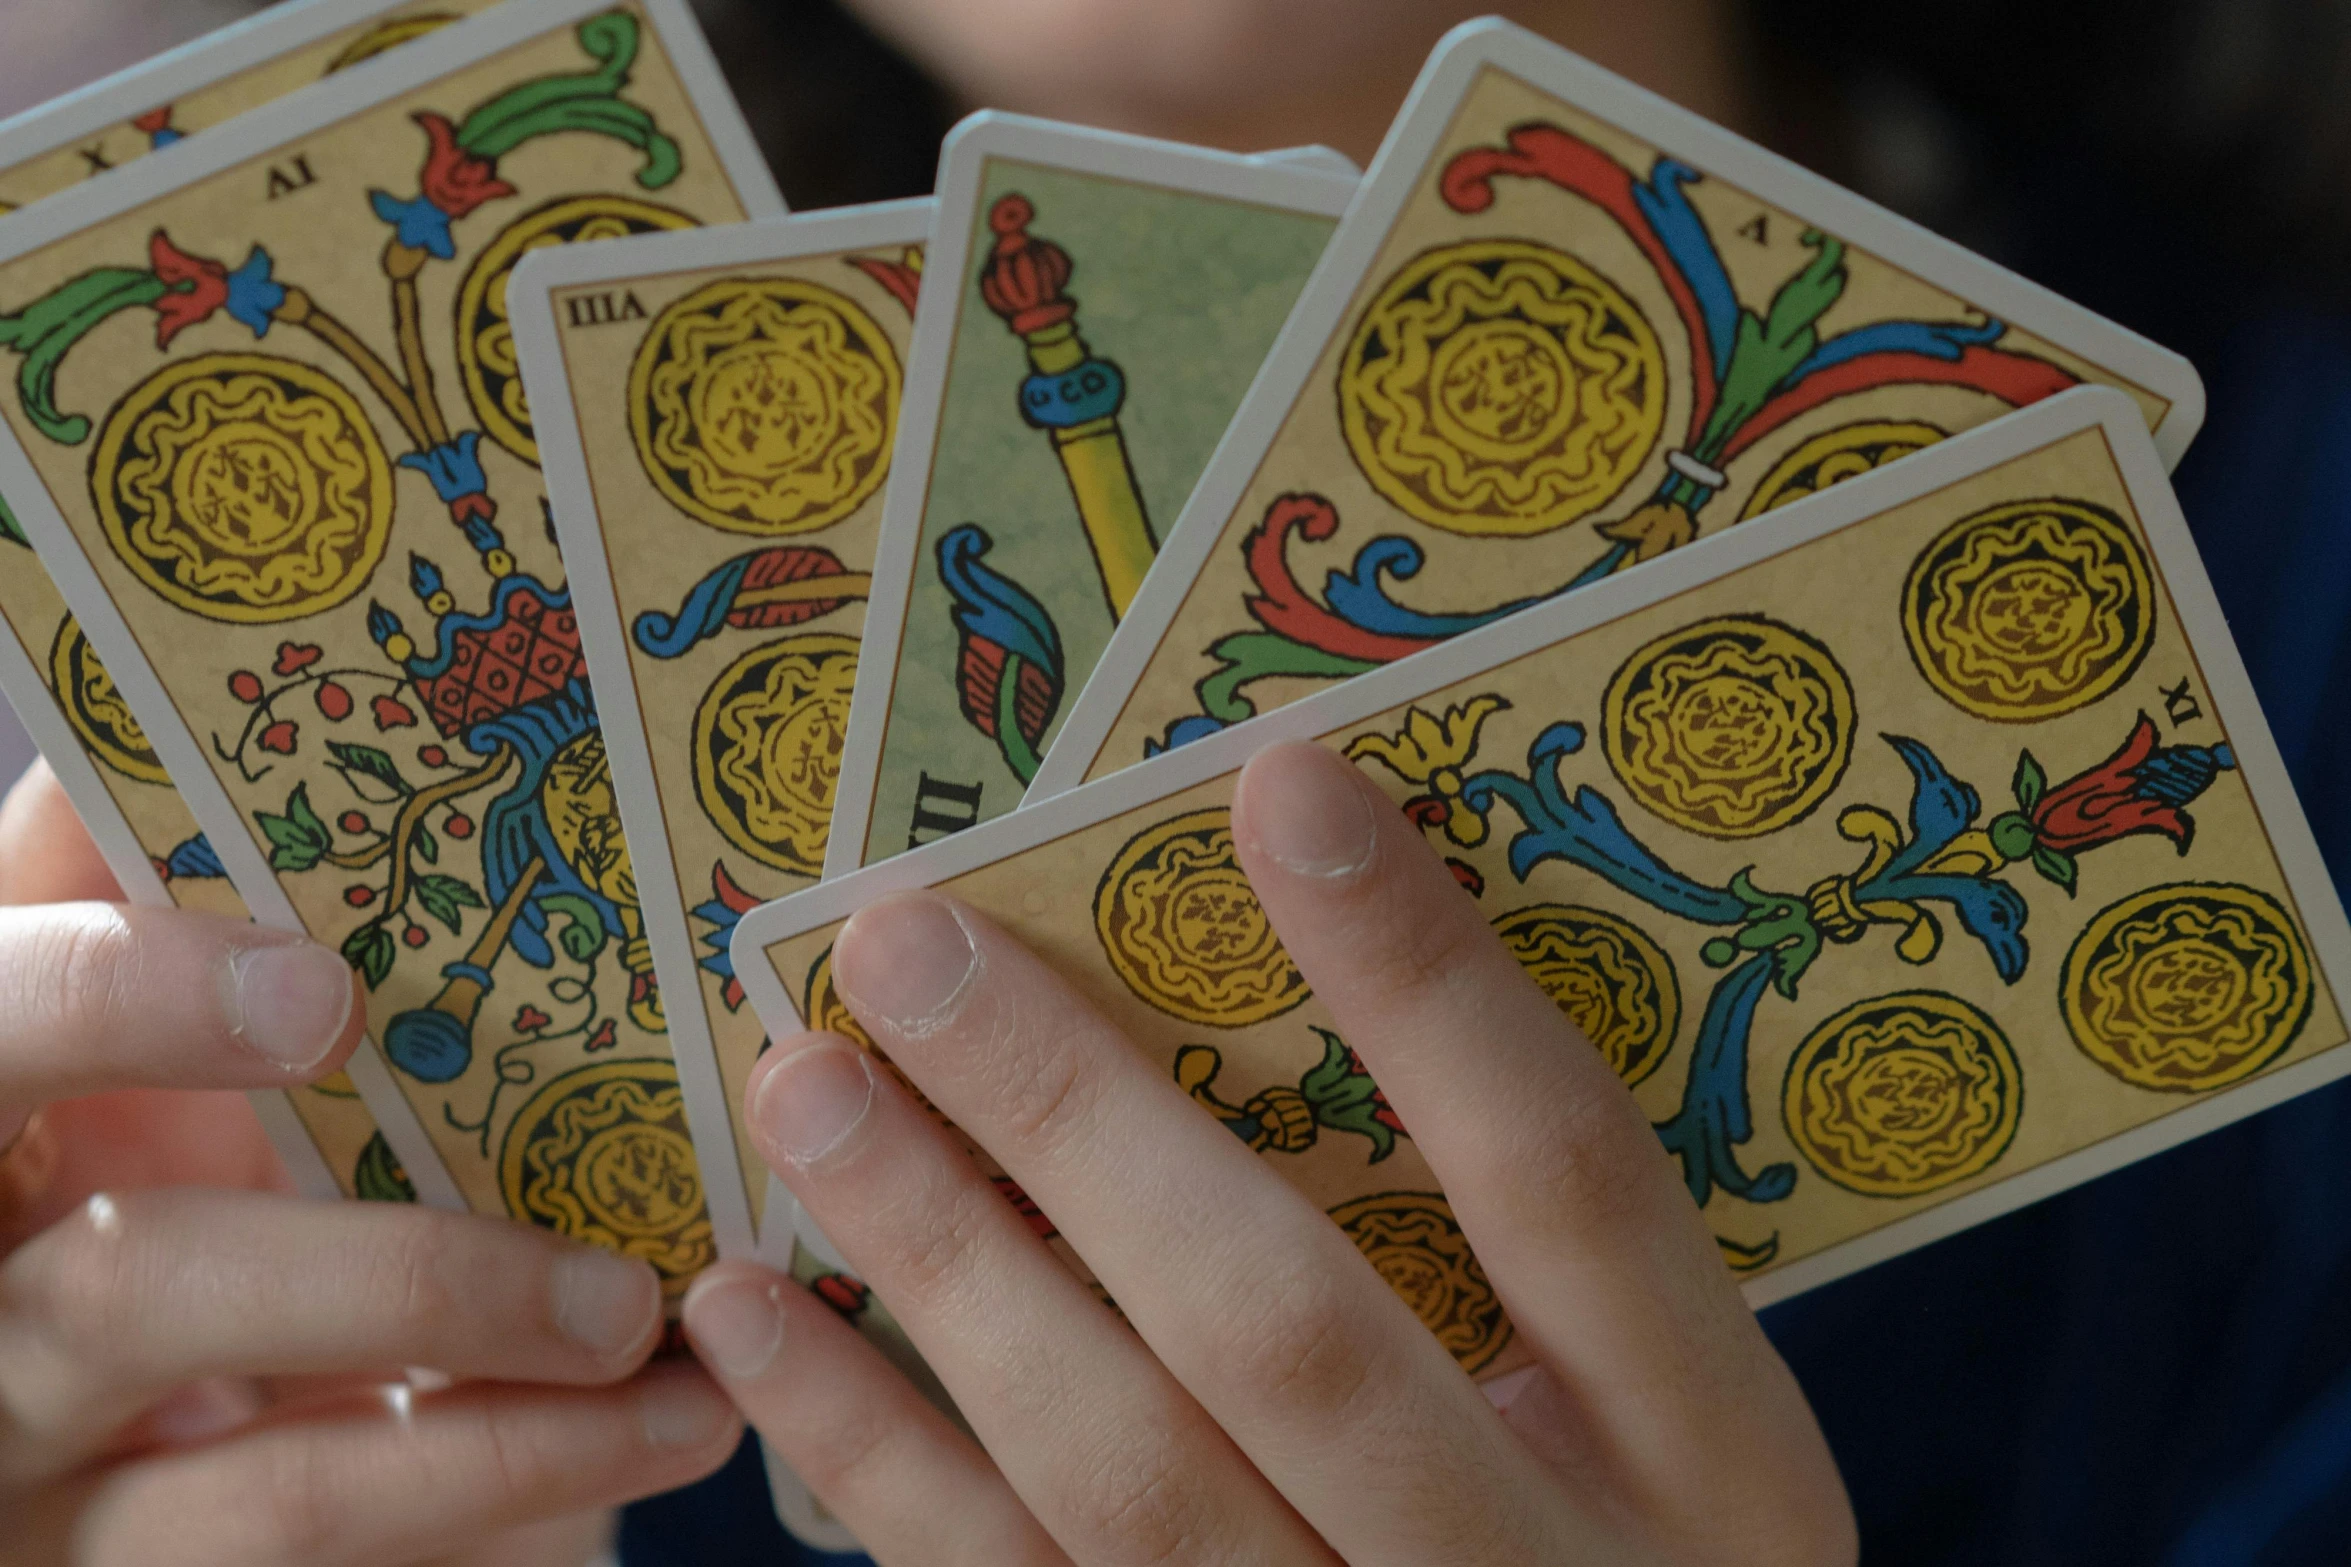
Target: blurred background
x=2155, y=1368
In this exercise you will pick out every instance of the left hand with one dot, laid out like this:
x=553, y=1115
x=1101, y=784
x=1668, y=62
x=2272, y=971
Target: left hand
x=1274, y=1401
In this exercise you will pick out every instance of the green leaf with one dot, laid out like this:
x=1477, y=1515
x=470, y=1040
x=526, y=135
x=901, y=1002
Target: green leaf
x=586, y=102
x=377, y=1176
x=444, y=896
x=370, y=950
x=48, y=327
x=584, y=936
x=2030, y=782
x=10, y=528
x=365, y=761
x=427, y=847
x=2058, y=867
x=1344, y=1098
x=1248, y=656
x=298, y=839
x=1764, y=352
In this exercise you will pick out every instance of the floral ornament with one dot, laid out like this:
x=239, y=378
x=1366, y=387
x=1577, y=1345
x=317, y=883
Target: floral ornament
x=156, y=126
x=726, y=908
x=1336, y=1093
x=1009, y=669
x=197, y=287
x=2142, y=788
x=1431, y=752
x=455, y=469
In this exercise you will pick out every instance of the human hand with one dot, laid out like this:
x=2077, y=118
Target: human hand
x=195, y=1373
x=1274, y=1401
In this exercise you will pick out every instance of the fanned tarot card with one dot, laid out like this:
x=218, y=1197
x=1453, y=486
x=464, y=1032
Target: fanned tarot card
x=267, y=430
x=1912, y=853
x=1095, y=308
x=716, y=411
x=1567, y=328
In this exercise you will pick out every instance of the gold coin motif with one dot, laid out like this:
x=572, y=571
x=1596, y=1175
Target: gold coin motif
x=823, y=1007
x=486, y=362
x=1732, y=727
x=1501, y=387
x=767, y=748
x=765, y=405
x=583, y=814
x=243, y=488
x=601, y=1154
x=1414, y=1242
x=1903, y=1094
x=2028, y=610
x=1834, y=456
x=2188, y=987
x=1605, y=973
x=1181, y=926
x=101, y=719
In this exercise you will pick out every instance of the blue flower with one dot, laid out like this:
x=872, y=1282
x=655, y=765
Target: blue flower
x=253, y=296
x=454, y=467
x=419, y=224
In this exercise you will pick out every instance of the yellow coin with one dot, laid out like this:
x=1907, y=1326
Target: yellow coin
x=765, y=405
x=1501, y=387
x=1732, y=727
x=1836, y=455
x=1181, y=927
x=601, y=1154
x=767, y=748
x=243, y=488
x=2187, y=988
x=1903, y=1094
x=1605, y=973
x=583, y=814
x=485, y=335
x=1414, y=1242
x=2029, y=609
x=99, y=715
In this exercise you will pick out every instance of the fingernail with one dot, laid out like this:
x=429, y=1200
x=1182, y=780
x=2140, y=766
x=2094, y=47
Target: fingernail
x=683, y=1411
x=288, y=1002
x=809, y=1102
x=737, y=1324
x=906, y=961
x=1306, y=819
x=604, y=1302
x=1503, y=1391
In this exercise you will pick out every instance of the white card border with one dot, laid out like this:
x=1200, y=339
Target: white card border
x=579, y=532
x=206, y=153
x=1300, y=179
x=1464, y=657
x=1460, y=57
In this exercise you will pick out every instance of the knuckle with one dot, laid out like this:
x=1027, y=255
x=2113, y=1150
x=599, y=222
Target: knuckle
x=77, y=1287
x=79, y=971
x=1297, y=1343
x=411, y=1270
x=1045, y=1085
x=1140, y=1503
x=1580, y=1164
x=932, y=1243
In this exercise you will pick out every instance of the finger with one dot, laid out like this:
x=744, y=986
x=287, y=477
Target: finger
x=851, y=1425
x=392, y=1481
x=1552, y=1169
x=46, y=854
x=138, y=1294
x=1113, y=1458
x=95, y=996
x=1259, y=1304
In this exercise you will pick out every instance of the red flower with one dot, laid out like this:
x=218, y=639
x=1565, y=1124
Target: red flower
x=279, y=737
x=207, y=290
x=530, y=1019
x=334, y=701
x=2107, y=802
x=295, y=657
x=392, y=713
x=454, y=180
x=606, y=1036
x=245, y=686
x=152, y=121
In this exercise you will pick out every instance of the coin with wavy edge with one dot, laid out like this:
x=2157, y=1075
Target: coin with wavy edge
x=244, y=488
x=1834, y=456
x=765, y=405
x=601, y=1153
x=767, y=748
x=486, y=362
x=1731, y=727
x=1611, y=980
x=583, y=815
x=2188, y=987
x=2030, y=609
x=1501, y=387
x=1903, y=1094
x=1182, y=928
x=1412, y=1239
x=100, y=717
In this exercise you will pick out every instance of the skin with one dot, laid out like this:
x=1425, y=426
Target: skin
x=1267, y=1398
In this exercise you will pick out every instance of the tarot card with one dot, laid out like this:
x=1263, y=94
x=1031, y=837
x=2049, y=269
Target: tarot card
x=715, y=413
x=1913, y=852
x=211, y=79
x=1567, y=328
x=267, y=431
x=1095, y=307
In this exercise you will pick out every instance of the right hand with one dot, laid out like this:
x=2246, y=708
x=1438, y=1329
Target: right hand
x=195, y=1373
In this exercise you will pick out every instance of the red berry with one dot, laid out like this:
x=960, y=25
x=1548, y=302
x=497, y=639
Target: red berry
x=359, y=897
x=458, y=826
x=414, y=935
x=433, y=756
x=279, y=737
x=392, y=713
x=245, y=686
x=334, y=701
x=351, y=821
